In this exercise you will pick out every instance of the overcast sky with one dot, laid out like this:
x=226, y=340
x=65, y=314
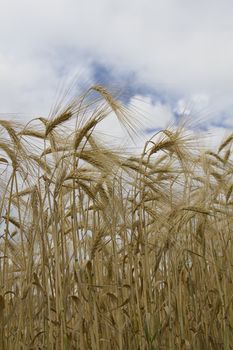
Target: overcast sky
x=172, y=56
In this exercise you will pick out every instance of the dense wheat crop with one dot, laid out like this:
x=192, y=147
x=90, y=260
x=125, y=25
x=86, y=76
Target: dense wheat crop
x=101, y=249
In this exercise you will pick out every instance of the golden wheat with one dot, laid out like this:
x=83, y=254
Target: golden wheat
x=105, y=250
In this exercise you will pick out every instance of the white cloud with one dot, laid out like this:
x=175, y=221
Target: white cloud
x=180, y=48
x=154, y=115
x=214, y=137
x=196, y=103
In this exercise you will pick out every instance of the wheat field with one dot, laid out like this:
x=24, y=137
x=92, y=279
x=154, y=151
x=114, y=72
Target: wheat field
x=103, y=249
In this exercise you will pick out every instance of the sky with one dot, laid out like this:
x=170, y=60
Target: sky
x=171, y=57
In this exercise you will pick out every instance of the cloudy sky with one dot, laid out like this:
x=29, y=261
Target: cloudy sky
x=172, y=57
